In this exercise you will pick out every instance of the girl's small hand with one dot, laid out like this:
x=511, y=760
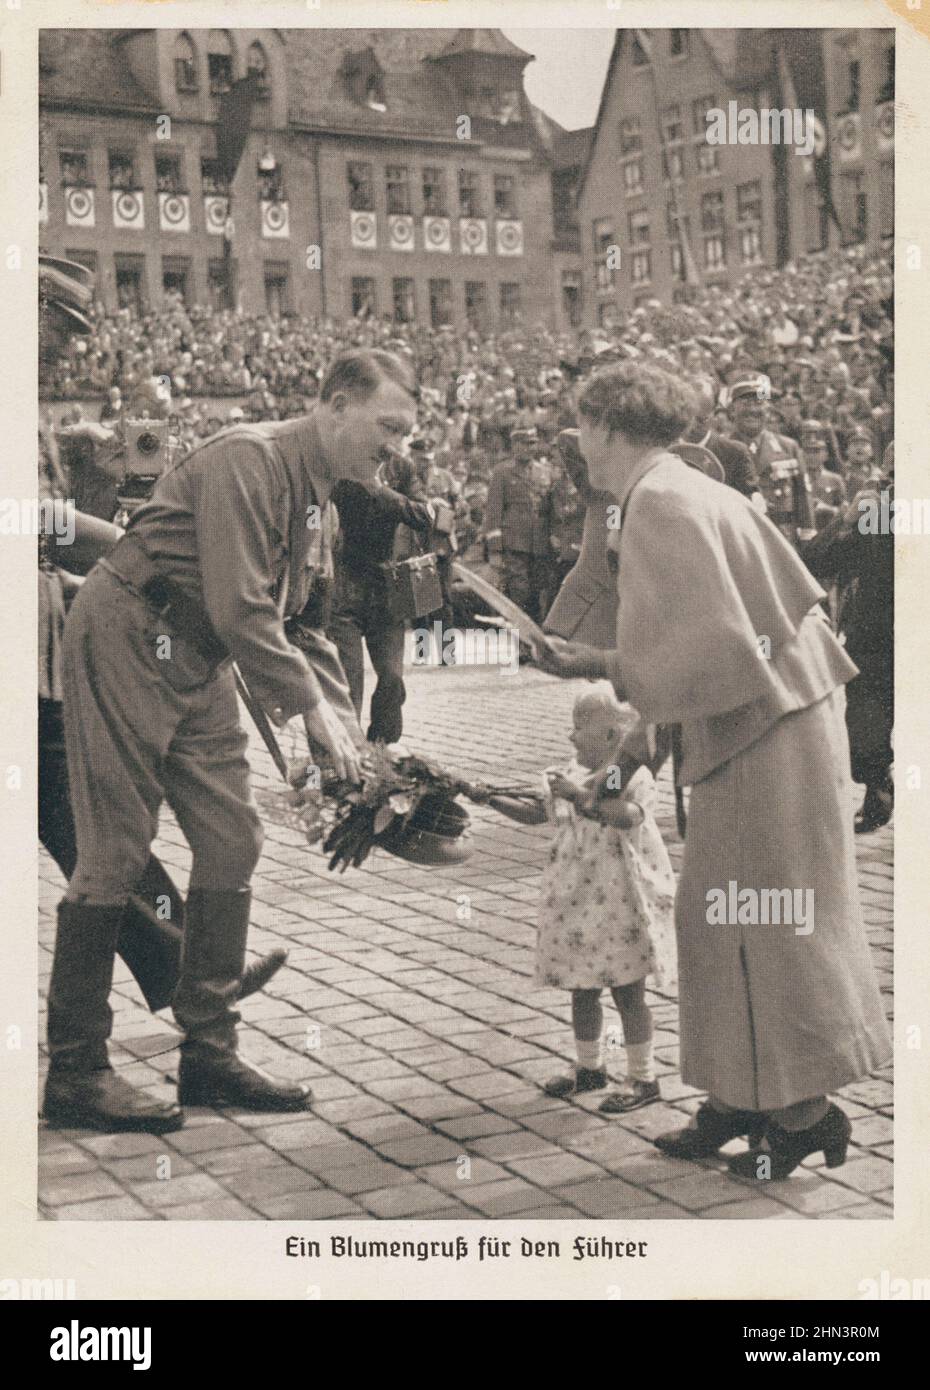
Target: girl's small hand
x=560, y=786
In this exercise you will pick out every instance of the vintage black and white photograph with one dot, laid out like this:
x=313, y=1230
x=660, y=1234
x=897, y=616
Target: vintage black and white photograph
x=466, y=601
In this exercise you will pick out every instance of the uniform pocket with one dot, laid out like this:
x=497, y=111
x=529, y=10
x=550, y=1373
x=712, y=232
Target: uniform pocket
x=174, y=657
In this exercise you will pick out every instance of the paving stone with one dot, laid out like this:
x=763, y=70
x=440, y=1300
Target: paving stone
x=417, y=1152
x=79, y=1187
x=412, y=1199
x=865, y=1174
x=607, y=1197
x=106, y=1209
x=320, y=1205
x=554, y=1170
x=175, y=1192
x=476, y=1126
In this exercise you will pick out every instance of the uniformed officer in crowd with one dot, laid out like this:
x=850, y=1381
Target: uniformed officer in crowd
x=778, y=463
x=209, y=568
x=516, y=523
x=565, y=524
x=827, y=488
x=735, y=459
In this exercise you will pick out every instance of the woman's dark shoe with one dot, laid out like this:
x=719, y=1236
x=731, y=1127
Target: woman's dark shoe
x=583, y=1079
x=876, y=808
x=785, y=1148
x=257, y=975
x=102, y=1100
x=714, y=1129
x=209, y=1076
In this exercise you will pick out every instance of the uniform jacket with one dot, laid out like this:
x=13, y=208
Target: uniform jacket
x=517, y=507
x=585, y=608
x=244, y=526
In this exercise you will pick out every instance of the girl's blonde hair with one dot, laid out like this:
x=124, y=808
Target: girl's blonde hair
x=600, y=699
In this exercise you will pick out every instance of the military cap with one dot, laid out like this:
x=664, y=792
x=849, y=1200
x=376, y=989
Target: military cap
x=756, y=386
x=524, y=435
x=814, y=427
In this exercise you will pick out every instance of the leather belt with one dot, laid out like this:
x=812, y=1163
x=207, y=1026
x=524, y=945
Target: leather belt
x=133, y=566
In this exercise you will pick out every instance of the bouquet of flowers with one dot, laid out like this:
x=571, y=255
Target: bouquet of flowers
x=404, y=804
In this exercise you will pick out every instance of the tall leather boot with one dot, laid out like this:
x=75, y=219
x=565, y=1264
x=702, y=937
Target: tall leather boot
x=211, y=1072
x=82, y=1090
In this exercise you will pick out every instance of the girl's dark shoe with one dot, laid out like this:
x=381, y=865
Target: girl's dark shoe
x=583, y=1079
x=630, y=1096
x=785, y=1148
x=714, y=1129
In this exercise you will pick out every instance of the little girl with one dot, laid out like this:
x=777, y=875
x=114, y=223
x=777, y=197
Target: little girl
x=606, y=905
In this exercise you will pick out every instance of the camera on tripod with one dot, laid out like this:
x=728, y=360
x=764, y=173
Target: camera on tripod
x=145, y=459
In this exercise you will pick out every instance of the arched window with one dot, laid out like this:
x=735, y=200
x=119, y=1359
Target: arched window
x=219, y=61
x=258, y=63
x=185, y=64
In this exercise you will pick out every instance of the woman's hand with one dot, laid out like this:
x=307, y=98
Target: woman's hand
x=561, y=787
x=569, y=660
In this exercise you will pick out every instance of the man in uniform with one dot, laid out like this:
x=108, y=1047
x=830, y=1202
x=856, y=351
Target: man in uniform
x=827, y=488
x=735, y=458
x=516, y=520
x=208, y=570
x=779, y=466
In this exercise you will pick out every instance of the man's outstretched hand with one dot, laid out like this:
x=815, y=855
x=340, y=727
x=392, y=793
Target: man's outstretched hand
x=325, y=728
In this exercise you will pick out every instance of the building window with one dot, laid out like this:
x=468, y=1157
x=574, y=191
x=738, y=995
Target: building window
x=434, y=193
x=712, y=211
x=471, y=203
x=510, y=301
x=571, y=296
x=886, y=92
x=708, y=158
x=122, y=169
x=641, y=267
x=857, y=206
x=397, y=179
x=363, y=297
x=886, y=196
x=679, y=43
x=361, y=186
x=74, y=168
x=699, y=110
x=130, y=272
x=631, y=135
x=639, y=55
x=168, y=174
x=257, y=62
x=673, y=128
x=276, y=289
x=505, y=197
x=750, y=244
x=853, y=85
x=219, y=291
x=212, y=177
x=603, y=242
x=440, y=303
x=175, y=276
x=714, y=253
x=219, y=61
x=673, y=162
x=749, y=201
x=633, y=177
x=639, y=228
x=676, y=222
x=270, y=177
x=678, y=261
x=476, y=304
x=402, y=293
x=185, y=64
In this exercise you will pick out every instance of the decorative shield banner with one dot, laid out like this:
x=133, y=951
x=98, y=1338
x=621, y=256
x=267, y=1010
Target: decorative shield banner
x=884, y=127
x=275, y=218
x=79, y=207
x=43, y=203
x=437, y=235
x=473, y=236
x=510, y=238
x=849, y=137
x=364, y=230
x=174, y=212
x=400, y=232
x=215, y=208
x=128, y=209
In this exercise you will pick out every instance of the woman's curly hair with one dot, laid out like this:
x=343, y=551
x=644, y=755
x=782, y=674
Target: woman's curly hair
x=646, y=404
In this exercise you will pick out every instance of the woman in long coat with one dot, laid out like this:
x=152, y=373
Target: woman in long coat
x=719, y=630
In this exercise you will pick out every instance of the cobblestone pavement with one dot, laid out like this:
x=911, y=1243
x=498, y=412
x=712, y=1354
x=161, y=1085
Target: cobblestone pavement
x=425, y=1038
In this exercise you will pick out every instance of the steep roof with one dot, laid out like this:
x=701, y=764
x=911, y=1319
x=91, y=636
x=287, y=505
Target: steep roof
x=83, y=68
x=486, y=41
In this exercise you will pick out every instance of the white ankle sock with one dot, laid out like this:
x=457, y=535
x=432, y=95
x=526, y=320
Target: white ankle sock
x=589, y=1054
x=639, y=1061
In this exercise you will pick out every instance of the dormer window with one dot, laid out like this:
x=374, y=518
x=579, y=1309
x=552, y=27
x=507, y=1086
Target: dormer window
x=364, y=80
x=185, y=65
x=258, y=64
x=374, y=94
x=219, y=61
